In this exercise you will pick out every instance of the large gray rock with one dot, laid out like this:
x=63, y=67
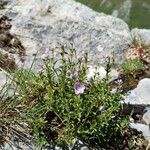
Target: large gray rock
x=49, y=23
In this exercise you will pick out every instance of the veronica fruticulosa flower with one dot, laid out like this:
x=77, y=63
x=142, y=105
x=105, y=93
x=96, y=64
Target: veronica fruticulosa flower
x=79, y=88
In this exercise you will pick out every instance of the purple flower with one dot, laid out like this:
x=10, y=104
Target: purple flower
x=79, y=88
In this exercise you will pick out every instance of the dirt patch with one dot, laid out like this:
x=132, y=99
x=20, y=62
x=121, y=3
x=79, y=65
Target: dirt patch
x=7, y=63
x=9, y=42
x=2, y=4
x=126, y=82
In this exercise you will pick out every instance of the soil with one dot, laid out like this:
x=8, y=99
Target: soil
x=2, y=4
x=7, y=63
x=10, y=44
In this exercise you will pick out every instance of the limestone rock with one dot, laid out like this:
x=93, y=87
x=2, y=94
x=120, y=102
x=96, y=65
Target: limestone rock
x=146, y=117
x=143, y=128
x=66, y=22
x=3, y=79
x=141, y=94
x=144, y=34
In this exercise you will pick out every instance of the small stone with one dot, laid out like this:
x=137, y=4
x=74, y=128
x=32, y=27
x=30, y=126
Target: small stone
x=99, y=71
x=141, y=94
x=141, y=128
x=146, y=117
x=114, y=74
x=84, y=148
x=3, y=79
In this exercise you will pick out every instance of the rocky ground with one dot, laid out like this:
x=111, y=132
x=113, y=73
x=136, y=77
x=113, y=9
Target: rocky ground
x=29, y=28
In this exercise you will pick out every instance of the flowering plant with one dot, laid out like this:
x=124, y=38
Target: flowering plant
x=63, y=106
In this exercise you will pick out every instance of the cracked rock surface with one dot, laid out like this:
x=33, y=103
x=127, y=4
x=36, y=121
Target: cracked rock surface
x=66, y=22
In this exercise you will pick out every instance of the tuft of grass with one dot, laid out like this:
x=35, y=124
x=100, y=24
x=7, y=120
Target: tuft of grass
x=140, y=49
x=137, y=41
x=13, y=127
x=131, y=66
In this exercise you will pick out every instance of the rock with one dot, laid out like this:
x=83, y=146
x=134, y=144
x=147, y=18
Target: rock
x=101, y=73
x=3, y=79
x=24, y=147
x=143, y=34
x=79, y=145
x=93, y=70
x=7, y=92
x=146, y=117
x=3, y=3
x=143, y=128
x=141, y=94
x=137, y=102
x=84, y=148
x=50, y=23
x=114, y=74
x=6, y=85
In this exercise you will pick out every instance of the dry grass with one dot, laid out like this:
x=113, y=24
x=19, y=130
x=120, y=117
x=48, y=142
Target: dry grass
x=13, y=128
